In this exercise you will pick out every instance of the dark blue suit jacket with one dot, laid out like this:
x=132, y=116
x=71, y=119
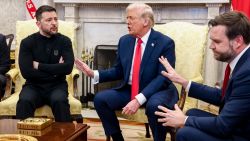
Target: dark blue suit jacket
x=151, y=80
x=234, y=117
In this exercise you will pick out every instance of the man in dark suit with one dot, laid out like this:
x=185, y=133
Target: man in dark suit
x=4, y=63
x=154, y=89
x=230, y=36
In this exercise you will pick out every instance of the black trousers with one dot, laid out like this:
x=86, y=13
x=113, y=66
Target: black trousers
x=33, y=96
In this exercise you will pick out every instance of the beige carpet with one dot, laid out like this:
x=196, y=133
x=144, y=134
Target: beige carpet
x=132, y=131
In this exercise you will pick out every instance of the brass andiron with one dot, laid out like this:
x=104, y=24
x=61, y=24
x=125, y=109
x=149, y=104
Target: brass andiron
x=88, y=58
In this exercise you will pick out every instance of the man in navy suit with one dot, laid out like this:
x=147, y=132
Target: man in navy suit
x=154, y=89
x=4, y=63
x=230, y=36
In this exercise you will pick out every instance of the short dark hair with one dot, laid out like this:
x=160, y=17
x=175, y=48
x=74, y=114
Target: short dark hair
x=236, y=24
x=43, y=8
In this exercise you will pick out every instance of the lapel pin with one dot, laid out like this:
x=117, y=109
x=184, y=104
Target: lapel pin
x=152, y=44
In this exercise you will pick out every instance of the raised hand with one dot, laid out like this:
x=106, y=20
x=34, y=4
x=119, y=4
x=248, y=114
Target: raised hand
x=84, y=68
x=171, y=73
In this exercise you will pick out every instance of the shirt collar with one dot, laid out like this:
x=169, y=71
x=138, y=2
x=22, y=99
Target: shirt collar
x=237, y=58
x=145, y=37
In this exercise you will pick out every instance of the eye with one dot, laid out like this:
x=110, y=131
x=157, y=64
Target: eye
x=49, y=20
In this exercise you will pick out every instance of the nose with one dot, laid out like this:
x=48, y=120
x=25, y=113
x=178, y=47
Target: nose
x=54, y=22
x=212, y=46
x=127, y=21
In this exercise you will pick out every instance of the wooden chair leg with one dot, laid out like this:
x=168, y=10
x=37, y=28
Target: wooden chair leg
x=172, y=134
x=147, y=130
x=107, y=138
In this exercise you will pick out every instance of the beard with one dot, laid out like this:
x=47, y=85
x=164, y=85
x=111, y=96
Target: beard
x=226, y=56
x=51, y=31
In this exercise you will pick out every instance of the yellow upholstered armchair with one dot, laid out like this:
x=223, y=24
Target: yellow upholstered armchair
x=8, y=105
x=190, y=42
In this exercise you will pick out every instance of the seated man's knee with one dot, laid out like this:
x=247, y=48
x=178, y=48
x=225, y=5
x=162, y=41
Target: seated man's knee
x=192, y=112
x=59, y=99
x=98, y=99
x=152, y=106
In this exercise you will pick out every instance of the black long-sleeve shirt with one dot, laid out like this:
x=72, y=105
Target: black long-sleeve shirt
x=46, y=51
x=4, y=55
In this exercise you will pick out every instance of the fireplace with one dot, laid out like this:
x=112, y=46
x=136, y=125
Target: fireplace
x=104, y=58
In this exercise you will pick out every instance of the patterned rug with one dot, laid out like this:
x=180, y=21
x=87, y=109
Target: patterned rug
x=132, y=131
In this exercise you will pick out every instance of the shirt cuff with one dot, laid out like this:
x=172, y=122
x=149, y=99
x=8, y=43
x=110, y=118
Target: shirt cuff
x=95, y=79
x=185, y=120
x=188, y=86
x=141, y=98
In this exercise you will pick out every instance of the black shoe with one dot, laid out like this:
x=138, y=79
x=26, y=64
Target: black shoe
x=117, y=137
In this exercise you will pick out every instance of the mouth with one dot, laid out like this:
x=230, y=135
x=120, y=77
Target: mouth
x=54, y=29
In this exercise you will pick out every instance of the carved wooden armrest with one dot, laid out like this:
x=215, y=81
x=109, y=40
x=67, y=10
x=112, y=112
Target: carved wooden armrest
x=183, y=93
x=10, y=77
x=182, y=99
x=75, y=75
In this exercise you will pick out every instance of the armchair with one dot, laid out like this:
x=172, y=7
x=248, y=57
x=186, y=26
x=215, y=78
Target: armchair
x=8, y=106
x=4, y=67
x=190, y=42
x=9, y=39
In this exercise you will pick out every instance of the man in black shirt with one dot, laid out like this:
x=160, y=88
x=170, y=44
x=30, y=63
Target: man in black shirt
x=45, y=58
x=4, y=63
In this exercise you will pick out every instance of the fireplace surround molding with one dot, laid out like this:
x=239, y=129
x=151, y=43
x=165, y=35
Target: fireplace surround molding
x=144, y=1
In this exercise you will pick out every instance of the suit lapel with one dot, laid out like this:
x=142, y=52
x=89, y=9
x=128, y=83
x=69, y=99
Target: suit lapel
x=131, y=46
x=151, y=44
x=239, y=64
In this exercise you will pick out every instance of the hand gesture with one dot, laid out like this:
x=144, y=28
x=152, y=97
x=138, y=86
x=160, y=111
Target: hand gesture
x=171, y=73
x=131, y=107
x=84, y=68
x=174, y=118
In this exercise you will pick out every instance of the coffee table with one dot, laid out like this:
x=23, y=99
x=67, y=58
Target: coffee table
x=61, y=131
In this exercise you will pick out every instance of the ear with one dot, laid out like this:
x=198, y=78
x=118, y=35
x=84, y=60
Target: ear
x=38, y=23
x=146, y=22
x=238, y=41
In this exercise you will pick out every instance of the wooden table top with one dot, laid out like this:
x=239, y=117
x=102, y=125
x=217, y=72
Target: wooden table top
x=61, y=131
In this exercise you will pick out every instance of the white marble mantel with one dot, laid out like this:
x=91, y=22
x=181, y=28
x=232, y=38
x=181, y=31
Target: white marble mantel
x=88, y=13
x=144, y=1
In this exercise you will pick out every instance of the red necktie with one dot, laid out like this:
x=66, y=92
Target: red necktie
x=136, y=70
x=226, y=79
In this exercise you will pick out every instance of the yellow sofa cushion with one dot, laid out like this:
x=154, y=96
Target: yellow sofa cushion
x=8, y=107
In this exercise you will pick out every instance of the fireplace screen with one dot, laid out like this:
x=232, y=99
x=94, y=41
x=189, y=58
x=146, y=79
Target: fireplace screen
x=104, y=58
